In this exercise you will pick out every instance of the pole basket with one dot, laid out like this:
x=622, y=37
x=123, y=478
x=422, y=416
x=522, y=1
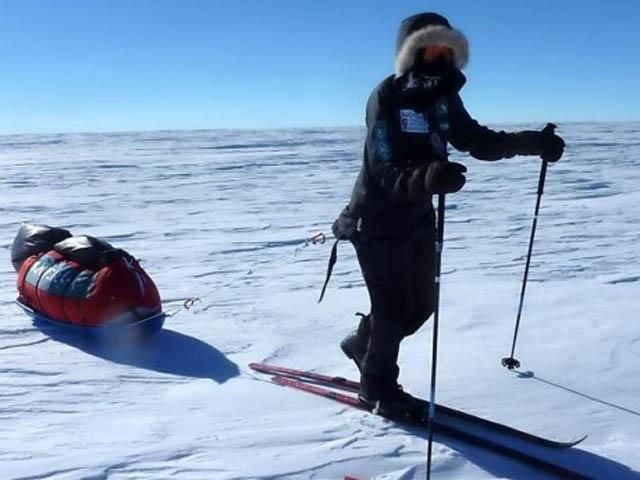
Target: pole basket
x=510, y=363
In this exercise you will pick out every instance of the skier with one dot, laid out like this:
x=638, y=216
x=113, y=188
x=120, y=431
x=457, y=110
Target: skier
x=411, y=117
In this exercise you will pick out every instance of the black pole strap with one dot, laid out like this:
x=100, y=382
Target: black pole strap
x=333, y=258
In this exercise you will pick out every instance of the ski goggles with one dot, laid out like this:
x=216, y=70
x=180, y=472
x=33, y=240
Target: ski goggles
x=434, y=52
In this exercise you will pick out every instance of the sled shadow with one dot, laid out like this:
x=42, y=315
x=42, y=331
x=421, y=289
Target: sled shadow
x=166, y=351
x=589, y=465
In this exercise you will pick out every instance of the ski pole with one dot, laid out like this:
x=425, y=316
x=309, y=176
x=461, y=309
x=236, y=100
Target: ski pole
x=436, y=319
x=511, y=362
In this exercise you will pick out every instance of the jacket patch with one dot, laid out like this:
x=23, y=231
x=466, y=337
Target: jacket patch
x=381, y=141
x=413, y=122
x=442, y=114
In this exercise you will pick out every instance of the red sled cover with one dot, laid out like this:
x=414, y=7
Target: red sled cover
x=85, y=281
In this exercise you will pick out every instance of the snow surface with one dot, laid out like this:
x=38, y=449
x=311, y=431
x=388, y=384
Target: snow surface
x=200, y=208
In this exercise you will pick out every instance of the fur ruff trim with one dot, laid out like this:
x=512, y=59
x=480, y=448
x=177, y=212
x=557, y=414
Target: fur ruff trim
x=432, y=35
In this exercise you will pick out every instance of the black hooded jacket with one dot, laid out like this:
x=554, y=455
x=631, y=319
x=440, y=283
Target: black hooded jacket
x=411, y=118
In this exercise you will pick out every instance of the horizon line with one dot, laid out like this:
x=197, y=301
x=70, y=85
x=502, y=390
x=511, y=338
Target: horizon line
x=294, y=127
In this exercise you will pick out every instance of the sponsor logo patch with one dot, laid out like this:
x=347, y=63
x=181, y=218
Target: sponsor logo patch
x=413, y=122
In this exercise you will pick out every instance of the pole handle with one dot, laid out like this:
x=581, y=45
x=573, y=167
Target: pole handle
x=547, y=131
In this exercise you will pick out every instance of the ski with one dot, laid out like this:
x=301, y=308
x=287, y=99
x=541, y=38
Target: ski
x=534, y=456
x=441, y=410
x=319, y=377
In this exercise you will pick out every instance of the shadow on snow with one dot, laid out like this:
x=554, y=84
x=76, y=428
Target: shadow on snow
x=529, y=374
x=589, y=465
x=166, y=351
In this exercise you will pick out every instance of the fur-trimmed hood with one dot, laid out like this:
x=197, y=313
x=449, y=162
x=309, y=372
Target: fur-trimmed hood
x=420, y=31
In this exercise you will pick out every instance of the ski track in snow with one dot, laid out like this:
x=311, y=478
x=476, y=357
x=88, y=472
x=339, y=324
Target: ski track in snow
x=202, y=207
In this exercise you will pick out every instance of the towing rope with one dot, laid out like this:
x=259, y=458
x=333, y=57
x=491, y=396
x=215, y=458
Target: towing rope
x=317, y=239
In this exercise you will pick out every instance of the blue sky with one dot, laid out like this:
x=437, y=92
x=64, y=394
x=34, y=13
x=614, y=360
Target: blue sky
x=104, y=65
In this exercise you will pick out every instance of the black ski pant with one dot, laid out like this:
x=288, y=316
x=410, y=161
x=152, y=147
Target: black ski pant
x=400, y=274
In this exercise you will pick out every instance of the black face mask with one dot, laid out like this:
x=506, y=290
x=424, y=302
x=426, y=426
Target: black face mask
x=426, y=81
x=441, y=67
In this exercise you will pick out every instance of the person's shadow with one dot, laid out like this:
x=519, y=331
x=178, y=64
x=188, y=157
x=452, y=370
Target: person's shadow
x=166, y=351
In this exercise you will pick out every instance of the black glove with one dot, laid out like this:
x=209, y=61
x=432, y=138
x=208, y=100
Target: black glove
x=544, y=143
x=444, y=177
x=345, y=227
x=551, y=145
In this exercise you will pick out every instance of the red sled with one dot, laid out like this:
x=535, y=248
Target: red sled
x=83, y=284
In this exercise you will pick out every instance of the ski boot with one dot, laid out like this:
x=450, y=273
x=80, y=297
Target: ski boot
x=354, y=345
x=390, y=400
